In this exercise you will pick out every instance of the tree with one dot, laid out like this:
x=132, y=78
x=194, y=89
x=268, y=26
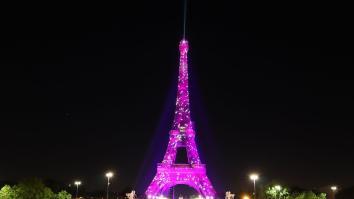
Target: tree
x=312, y=195
x=298, y=195
x=6, y=192
x=322, y=196
x=276, y=192
x=63, y=195
x=32, y=189
x=308, y=195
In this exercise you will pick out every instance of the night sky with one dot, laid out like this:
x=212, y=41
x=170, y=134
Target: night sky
x=87, y=88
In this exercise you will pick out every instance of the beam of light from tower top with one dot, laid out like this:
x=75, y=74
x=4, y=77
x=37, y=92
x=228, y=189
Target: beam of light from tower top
x=184, y=18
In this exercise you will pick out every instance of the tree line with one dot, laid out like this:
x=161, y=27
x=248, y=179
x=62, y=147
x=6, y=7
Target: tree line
x=279, y=192
x=31, y=189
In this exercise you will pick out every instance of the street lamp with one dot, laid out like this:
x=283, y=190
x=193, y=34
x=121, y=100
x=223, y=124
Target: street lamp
x=109, y=175
x=245, y=197
x=334, y=189
x=77, y=183
x=254, y=177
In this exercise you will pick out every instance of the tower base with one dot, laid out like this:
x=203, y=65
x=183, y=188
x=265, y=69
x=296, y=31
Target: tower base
x=170, y=175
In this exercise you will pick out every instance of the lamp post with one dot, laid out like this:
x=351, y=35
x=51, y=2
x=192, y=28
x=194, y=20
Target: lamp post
x=254, y=177
x=334, y=189
x=109, y=175
x=77, y=183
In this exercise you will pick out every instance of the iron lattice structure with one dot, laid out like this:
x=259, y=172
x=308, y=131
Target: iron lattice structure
x=182, y=134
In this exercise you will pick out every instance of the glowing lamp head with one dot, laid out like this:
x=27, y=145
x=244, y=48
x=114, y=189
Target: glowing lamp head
x=333, y=188
x=245, y=197
x=77, y=183
x=254, y=177
x=109, y=174
x=277, y=187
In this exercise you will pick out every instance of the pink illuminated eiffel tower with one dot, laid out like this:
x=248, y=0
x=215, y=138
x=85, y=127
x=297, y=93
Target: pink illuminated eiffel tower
x=182, y=134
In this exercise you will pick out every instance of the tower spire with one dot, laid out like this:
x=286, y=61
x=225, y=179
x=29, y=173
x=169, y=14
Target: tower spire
x=182, y=120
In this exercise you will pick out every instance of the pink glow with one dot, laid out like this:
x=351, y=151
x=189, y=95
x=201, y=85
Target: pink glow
x=182, y=134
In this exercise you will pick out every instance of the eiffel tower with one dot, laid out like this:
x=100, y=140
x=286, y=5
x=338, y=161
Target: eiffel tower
x=192, y=174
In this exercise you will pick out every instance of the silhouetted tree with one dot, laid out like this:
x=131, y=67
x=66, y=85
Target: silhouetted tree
x=32, y=189
x=6, y=192
x=63, y=195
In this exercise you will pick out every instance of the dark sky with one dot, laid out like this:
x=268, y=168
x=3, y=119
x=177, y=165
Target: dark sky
x=91, y=87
